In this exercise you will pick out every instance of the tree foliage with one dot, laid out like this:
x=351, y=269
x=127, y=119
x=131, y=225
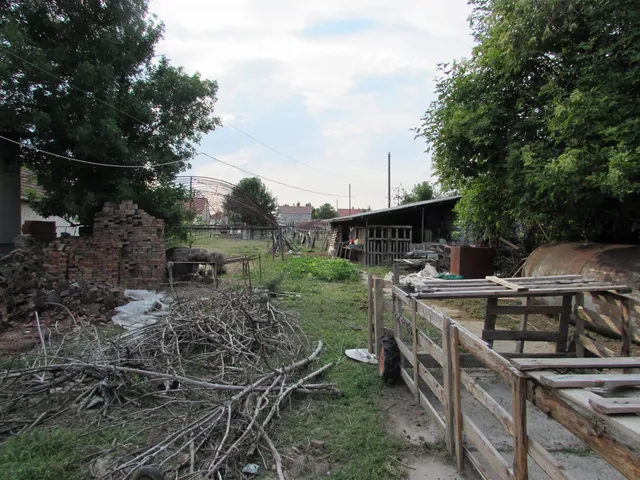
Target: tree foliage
x=538, y=129
x=420, y=192
x=324, y=212
x=251, y=202
x=80, y=79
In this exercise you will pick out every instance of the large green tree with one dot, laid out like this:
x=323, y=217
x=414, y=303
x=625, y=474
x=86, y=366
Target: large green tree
x=539, y=128
x=81, y=79
x=324, y=212
x=420, y=192
x=251, y=202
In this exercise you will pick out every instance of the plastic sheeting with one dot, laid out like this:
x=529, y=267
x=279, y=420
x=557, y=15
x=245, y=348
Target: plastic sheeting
x=145, y=308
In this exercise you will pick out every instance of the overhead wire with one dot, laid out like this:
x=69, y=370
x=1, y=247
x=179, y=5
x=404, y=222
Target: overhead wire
x=145, y=124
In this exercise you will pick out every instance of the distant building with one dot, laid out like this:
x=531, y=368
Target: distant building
x=292, y=214
x=201, y=207
x=345, y=212
x=29, y=187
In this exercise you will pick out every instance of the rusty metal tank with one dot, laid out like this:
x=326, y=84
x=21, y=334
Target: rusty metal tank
x=605, y=262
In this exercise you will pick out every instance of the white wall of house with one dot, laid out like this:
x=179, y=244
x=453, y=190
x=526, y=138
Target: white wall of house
x=27, y=213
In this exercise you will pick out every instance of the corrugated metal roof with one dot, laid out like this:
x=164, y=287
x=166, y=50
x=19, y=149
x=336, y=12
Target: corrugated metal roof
x=399, y=208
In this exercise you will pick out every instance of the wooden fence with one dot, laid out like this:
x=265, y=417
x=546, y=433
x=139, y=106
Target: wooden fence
x=413, y=344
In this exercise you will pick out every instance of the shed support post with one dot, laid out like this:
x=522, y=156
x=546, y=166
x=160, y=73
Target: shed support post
x=378, y=292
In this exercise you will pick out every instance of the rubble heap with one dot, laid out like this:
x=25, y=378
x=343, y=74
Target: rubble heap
x=25, y=289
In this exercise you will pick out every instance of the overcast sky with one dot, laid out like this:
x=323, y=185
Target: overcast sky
x=334, y=84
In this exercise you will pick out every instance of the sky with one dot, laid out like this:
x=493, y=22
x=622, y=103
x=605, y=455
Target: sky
x=330, y=87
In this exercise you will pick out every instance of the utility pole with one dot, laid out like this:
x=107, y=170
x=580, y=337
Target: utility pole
x=389, y=177
x=349, y=199
x=336, y=205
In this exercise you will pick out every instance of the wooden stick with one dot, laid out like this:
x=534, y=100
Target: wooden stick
x=523, y=324
x=378, y=292
x=448, y=387
x=370, y=307
x=457, y=397
x=416, y=360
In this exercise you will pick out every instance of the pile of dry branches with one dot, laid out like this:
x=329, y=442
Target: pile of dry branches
x=207, y=383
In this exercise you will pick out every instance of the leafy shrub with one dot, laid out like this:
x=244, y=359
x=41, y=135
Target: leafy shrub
x=322, y=268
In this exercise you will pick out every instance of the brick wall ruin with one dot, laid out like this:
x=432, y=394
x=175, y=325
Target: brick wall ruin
x=126, y=249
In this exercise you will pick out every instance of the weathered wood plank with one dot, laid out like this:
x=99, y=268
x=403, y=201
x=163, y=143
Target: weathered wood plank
x=525, y=309
x=617, y=442
x=431, y=348
x=489, y=319
x=370, y=307
x=526, y=364
x=538, y=292
x=457, y=397
x=432, y=383
x=593, y=346
x=530, y=335
x=401, y=295
x=507, y=283
x=424, y=401
x=486, y=449
x=482, y=352
x=414, y=344
x=591, y=380
x=520, y=438
x=448, y=387
x=431, y=315
x=378, y=293
x=565, y=320
x=538, y=453
x=616, y=405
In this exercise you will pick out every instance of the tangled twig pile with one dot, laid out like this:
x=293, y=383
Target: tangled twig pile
x=207, y=382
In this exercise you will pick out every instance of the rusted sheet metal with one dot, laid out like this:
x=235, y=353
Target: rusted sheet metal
x=612, y=263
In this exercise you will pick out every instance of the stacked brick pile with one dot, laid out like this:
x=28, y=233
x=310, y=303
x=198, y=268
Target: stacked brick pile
x=126, y=249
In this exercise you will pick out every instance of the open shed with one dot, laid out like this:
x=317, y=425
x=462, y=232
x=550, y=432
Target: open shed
x=383, y=235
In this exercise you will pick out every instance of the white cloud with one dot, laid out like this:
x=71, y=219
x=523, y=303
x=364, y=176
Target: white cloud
x=258, y=53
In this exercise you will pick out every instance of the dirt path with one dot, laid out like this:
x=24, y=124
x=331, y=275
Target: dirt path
x=425, y=453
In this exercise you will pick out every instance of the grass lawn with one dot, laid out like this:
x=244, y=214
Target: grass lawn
x=356, y=446
x=352, y=426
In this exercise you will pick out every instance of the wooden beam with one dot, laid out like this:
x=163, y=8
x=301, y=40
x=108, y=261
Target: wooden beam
x=370, y=307
x=424, y=401
x=527, y=364
x=448, y=387
x=538, y=292
x=565, y=321
x=457, y=397
x=593, y=346
x=520, y=438
x=507, y=283
x=525, y=309
x=414, y=339
x=538, y=453
x=486, y=449
x=523, y=322
x=431, y=348
x=616, y=405
x=530, y=335
x=489, y=319
x=591, y=380
x=606, y=438
x=432, y=383
x=378, y=300
x=491, y=359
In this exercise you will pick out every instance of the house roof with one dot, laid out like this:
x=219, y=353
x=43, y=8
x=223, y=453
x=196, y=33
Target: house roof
x=28, y=183
x=199, y=205
x=343, y=212
x=399, y=208
x=294, y=209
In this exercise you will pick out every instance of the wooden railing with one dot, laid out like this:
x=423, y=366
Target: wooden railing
x=455, y=423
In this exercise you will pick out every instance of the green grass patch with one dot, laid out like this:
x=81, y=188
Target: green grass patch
x=54, y=453
x=321, y=268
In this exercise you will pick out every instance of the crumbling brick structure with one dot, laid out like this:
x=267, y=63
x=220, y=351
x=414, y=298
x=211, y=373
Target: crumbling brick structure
x=126, y=249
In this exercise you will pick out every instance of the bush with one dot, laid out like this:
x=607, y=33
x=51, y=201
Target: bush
x=322, y=268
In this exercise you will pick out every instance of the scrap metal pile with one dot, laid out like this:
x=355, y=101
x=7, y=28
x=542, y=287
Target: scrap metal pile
x=201, y=388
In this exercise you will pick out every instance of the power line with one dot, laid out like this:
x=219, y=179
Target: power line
x=146, y=124
x=281, y=153
x=114, y=165
x=78, y=160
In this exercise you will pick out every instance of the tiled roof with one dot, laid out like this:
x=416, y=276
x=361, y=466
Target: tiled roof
x=293, y=209
x=343, y=212
x=199, y=205
x=28, y=183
